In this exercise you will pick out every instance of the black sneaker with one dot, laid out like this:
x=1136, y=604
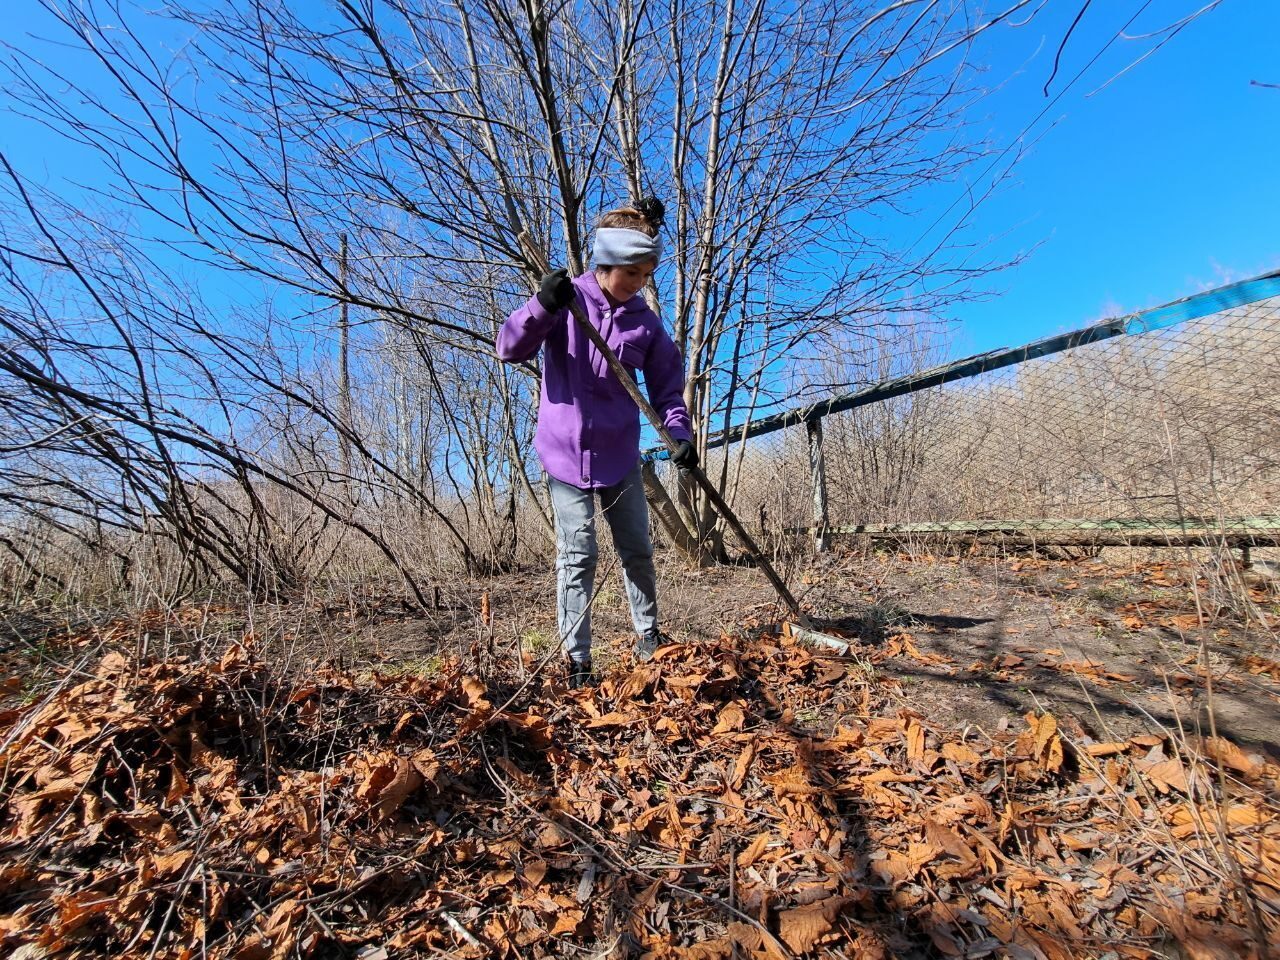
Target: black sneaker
x=648, y=645
x=581, y=675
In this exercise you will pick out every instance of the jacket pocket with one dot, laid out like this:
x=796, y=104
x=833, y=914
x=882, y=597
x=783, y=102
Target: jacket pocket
x=633, y=348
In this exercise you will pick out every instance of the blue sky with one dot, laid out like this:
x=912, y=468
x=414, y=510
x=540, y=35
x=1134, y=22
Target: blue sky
x=1159, y=185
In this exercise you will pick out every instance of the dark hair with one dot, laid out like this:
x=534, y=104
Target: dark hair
x=646, y=215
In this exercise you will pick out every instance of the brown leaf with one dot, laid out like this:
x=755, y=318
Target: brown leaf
x=115, y=663
x=386, y=782
x=669, y=729
x=1105, y=749
x=1260, y=665
x=475, y=691
x=750, y=855
x=567, y=921
x=178, y=785
x=718, y=949
x=1187, y=823
x=946, y=944
x=742, y=765
x=1008, y=819
x=235, y=656
x=793, y=781
x=964, y=805
x=1165, y=774
x=425, y=762
x=553, y=835
x=914, y=735
x=1041, y=742
x=894, y=869
x=171, y=864
x=844, y=738
x=1046, y=728
x=832, y=673
x=950, y=841
x=960, y=753
x=535, y=727
x=1227, y=754
x=76, y=910
x=744, y=935
x=535, y=871
x=905, y=643
x=731, y=719
x=801, y=927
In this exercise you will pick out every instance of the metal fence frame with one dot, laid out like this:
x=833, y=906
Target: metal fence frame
x=1242, y=532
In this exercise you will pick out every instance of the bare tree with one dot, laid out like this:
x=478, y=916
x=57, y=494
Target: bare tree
x=381, y=159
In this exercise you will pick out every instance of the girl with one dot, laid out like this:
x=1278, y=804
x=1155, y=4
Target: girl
x=588, y=434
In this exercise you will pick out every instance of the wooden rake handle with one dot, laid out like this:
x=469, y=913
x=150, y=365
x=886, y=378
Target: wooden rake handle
x=539, y=262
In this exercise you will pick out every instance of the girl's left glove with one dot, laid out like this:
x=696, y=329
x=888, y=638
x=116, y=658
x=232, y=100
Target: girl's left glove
x=685, y=455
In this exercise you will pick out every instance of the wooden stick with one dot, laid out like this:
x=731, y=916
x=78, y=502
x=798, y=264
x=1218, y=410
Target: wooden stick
x=539, y=262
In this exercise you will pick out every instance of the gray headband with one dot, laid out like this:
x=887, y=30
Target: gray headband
x=618, y=246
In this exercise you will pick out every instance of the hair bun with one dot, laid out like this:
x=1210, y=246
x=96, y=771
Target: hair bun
x=651, y=209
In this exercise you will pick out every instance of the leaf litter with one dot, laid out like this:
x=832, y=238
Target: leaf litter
x=750, y=798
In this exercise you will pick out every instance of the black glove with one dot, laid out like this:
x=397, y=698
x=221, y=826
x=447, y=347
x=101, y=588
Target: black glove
x=685, y=456
x=557, y=291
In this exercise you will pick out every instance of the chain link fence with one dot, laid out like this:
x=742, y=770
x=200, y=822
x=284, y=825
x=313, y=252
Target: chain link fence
x=1159, y=428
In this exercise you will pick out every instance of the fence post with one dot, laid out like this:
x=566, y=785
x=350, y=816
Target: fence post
x=818, y=476
x=669, y=518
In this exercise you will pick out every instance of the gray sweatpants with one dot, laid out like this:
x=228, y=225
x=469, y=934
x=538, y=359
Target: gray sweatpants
x=627, y=514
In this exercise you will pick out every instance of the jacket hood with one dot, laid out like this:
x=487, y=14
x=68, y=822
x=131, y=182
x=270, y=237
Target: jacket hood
x=590, y=287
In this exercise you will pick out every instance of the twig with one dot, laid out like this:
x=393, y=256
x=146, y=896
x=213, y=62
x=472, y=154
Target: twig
x=555, y=648
x=461, y=931
x=626, y=868
x=733, y=891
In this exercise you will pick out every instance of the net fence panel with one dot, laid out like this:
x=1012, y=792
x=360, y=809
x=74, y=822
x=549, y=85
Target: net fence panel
x=1169, y=429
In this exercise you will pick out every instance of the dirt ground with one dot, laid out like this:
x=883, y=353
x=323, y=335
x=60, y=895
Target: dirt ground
x=1114, y=642
x=958, y=664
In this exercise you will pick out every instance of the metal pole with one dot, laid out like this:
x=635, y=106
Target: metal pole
x=818, y=476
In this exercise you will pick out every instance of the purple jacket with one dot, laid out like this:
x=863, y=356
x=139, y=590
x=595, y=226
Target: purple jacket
x=588, y=427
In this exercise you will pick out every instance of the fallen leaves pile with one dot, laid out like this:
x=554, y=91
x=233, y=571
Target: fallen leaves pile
x=744, y=799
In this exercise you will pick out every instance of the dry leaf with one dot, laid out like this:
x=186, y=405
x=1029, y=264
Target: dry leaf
x=741, y=766
x=731, y=719
x=914, y=735
x=475, y=691
x=1165, y=774
x=801, y=928
x=385, y=782
x=553, y=835
x=567, y=921
x=750, y=855
x=1105, y=749
x=1260, y=665
x=1041, y=742
x=718, y=949
x=960, y=753
x=1229, y=755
